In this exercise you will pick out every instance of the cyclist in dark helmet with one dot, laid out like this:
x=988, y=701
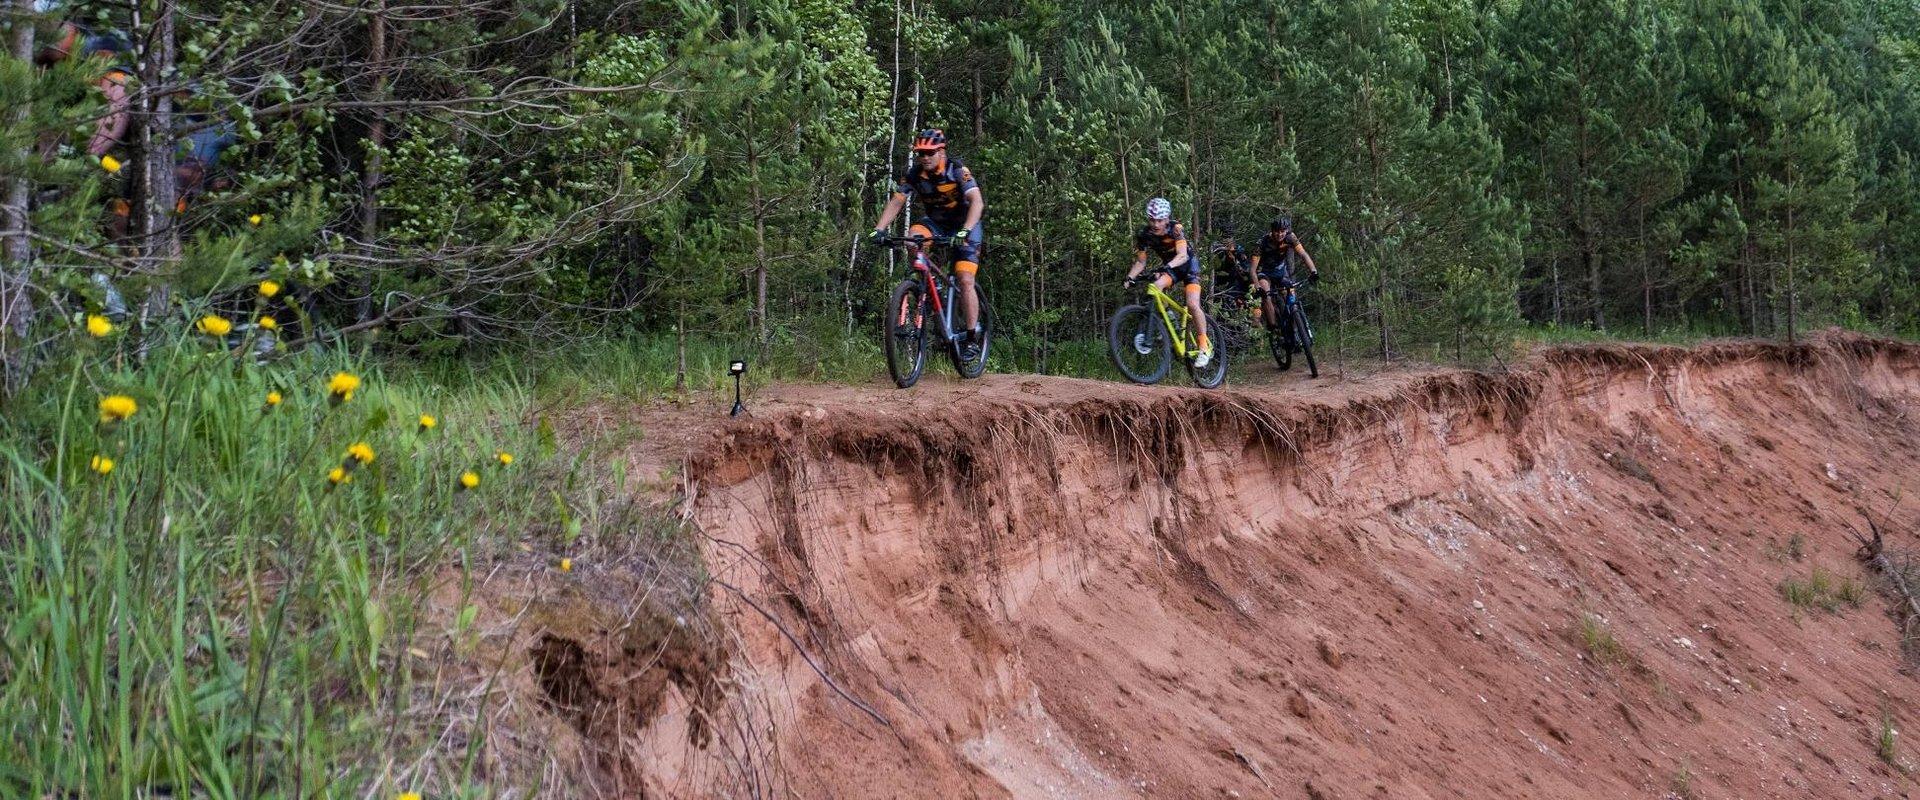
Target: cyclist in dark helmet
x=1232, y=272
x=1273, y=263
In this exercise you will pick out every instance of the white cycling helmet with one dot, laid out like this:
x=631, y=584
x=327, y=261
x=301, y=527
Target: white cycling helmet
x=1159, y=208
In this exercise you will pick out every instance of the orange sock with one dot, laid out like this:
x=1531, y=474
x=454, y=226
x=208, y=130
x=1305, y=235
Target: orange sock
x=1203, y=343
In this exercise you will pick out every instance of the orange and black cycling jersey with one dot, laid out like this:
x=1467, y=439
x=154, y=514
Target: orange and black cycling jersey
x=1164, y=245
x=1277, y=256
x=942, y=194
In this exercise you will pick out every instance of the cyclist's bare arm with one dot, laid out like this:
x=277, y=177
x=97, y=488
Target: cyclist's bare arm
x=894, y=204
x=1302, y=250
x=975, y=206
x=1139, y=263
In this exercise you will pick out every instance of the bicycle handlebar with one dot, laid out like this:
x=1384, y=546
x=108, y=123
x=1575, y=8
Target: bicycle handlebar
x=1290, y=283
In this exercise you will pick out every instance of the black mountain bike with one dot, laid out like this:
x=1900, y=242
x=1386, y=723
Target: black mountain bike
x=924, y=306
x=1293, y=334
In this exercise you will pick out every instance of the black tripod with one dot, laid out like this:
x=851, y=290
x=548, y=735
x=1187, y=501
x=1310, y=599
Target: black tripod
x=736, y=369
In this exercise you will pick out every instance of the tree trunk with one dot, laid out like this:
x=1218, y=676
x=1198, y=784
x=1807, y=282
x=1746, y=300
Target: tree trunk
x=159, y=231
x=1383, y=288
x=893, y=118
x=1599, y=314
x=759, y=242
x=979, y=109
x=680, y=351
x=373, y=172
x=1554, y=293
x=376, y=129
x=1793, y=296
x=1646, y=279
x=16, y=303
x=1034, y=302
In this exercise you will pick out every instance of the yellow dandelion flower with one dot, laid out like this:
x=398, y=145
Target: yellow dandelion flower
x=110, y=164
x=273, y=399
x=255, y=219
x=427, y=422
x=269, y=323
x=408, y=796
x=566, y=565
x=505, y=458
x=469, y=480
x=213, y=325
x=114, y=408
x=343, y=386
x=339, y=476
x=359, y=453
x=269, y=288
x=98, y=325
x=101, y=464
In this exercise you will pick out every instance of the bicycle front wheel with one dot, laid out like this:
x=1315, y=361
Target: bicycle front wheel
x=1303, y=336
x=1137, y=339
x=906, y=333
x=1277, y=345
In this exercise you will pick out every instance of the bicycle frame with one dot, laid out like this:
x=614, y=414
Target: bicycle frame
x=940, y=289
x=1165, y=304
x=1290, y=293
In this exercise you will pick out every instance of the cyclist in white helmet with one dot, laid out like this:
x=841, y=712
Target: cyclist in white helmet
x=1167, y=240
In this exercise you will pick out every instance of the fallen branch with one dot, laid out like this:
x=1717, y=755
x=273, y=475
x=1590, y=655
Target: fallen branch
x=1874, y=552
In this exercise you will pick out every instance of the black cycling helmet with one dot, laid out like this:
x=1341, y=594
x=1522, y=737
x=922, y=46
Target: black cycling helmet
x=1281, y=223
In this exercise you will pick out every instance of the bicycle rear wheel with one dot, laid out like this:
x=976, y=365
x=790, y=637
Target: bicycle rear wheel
x=979, y=364
x=1137, y=340
x=1303, y=335
x=906, y=333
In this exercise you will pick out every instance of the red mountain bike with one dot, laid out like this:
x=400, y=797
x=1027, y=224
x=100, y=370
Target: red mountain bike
x=921, y=300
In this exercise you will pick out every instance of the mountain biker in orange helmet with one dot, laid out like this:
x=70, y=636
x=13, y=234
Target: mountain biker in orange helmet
x=950, y=209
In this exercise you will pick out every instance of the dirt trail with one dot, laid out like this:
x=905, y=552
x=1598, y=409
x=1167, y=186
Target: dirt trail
x=1556, y=581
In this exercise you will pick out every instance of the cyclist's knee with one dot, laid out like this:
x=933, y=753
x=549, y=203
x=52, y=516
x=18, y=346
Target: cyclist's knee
x=921, y=231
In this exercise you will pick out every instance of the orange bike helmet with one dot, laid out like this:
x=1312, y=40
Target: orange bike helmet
x=930, y=139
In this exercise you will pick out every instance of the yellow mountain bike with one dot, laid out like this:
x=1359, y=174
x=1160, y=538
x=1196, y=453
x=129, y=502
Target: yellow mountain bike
x=1144, y=340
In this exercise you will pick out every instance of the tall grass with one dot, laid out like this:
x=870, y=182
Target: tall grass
x=214, y=617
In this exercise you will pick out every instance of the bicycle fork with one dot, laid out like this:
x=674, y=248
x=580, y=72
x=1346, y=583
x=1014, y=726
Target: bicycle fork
x=1305, y=333
x=941, y=294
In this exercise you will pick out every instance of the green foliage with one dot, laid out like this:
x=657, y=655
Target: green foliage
x=701, y=168
x=1886, y=742
x=1598, y=639
x=1824, y=591
x=213, y=611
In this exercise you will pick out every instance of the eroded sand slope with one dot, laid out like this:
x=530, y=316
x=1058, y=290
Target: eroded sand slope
x=1056, y=588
